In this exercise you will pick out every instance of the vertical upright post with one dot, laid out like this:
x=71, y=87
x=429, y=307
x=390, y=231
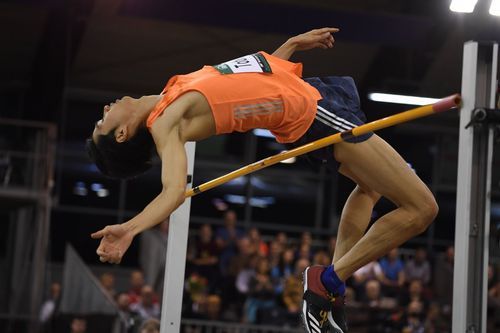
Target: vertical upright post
x=175, y=263
x=473, y=189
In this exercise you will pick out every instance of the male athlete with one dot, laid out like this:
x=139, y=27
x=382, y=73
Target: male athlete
x=266, y=91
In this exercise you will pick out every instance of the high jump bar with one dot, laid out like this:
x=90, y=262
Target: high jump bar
x=405, y=116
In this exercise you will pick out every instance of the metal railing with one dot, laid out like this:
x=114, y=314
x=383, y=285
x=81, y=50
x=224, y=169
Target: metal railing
x=27, y=154
x=199, y=326
x=27, y=150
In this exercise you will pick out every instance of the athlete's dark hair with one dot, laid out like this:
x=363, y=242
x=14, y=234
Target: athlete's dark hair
x=122, y=160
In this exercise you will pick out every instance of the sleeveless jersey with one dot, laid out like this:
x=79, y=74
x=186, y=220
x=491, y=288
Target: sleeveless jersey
x=254, y=91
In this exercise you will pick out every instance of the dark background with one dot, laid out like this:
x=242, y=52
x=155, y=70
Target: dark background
x=62, y=60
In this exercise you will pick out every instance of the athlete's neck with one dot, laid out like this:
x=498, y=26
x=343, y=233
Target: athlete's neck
x=145, y=105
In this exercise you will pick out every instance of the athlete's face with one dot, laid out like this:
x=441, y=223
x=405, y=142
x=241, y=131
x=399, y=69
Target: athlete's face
x=113, y=115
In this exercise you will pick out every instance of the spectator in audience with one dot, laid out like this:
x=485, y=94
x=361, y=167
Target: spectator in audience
x=370, y=271
x=153, y=244
x=322, y=258
x=350, y=298
x=379, y=307
x=414, y=292
x=306, y=238
x=443, y=275
x=197, y=288
x=283, y=270
x=240, y=260
x=107, y=280
x=255, y=239
x=136, y=283
x=293, y=292
x=232, y=299
x=374, y=297
x=245, y=276
x=128, y=319
x=275, y=252
x=78, y=325
x=146, y=307
x=150, y=326
x=227, y=238
x=282, y=239
x=419, y=267
x=261, y=292
x=205, y=260
x=213, y=308
x=413, y=321
x=51, y=305
x=304, y=251
x=435, y=322
x=393, y=275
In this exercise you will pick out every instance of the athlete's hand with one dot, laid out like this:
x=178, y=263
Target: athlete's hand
x=115, y=240
x=317, y=38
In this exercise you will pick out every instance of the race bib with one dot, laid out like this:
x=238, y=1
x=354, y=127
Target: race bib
x=253, y=63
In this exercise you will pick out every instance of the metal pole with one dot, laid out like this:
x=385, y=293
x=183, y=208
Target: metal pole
x=176, y=258
x=473, y=186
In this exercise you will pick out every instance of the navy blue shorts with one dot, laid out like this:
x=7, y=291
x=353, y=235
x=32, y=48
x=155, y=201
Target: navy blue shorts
x=338, y=111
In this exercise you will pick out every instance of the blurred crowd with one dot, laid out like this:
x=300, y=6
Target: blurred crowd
x=236, y=275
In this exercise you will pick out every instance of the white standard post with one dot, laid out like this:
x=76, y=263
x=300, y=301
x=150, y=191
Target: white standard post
x=175, y=263
x=473, y=190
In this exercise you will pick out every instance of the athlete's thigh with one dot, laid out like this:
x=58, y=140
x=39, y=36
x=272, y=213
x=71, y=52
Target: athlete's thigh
x=374, y=164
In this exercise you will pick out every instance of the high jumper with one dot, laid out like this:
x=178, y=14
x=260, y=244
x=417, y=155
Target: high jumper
x=264, y=90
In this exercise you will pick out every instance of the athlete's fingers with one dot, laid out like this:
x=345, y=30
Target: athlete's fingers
x=99, y=234
x=329, y=30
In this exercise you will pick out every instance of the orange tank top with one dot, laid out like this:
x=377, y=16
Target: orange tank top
x=254, y=91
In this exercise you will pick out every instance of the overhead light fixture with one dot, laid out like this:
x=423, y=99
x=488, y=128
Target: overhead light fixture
x=259, y=202
x=96, y=187
x=495, y=7
x=401, y=99
x=290, y=160
x=80, y=189
x=263, y=133
x=463, y=6
x=102, y=193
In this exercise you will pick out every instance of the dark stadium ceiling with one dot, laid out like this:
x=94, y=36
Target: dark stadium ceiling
x=101, y=49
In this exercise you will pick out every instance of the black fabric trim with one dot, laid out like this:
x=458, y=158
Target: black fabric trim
x=318, y=301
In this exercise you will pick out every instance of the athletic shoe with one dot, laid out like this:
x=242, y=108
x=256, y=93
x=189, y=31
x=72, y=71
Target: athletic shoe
x=318, y=304
x=336, y=317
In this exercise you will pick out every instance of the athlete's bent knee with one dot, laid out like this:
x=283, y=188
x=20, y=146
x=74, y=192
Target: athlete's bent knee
x=427, y=211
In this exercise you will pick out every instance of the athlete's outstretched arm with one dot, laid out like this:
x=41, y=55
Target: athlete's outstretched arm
x=116, y=239
x=317, y=38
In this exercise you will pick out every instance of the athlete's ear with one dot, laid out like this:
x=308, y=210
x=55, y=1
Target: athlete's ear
x=121, y=134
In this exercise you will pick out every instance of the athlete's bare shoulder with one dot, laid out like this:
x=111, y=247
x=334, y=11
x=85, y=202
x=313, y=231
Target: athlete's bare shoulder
x=189, y=116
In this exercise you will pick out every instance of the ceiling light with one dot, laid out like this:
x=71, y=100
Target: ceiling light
x=463, y=6
x=259, y=202
x=401, y=99
x=263, y=133
x=95, y=187
x=80, y=189
x=290, y=160
x=495, y=7
x=102, y=193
